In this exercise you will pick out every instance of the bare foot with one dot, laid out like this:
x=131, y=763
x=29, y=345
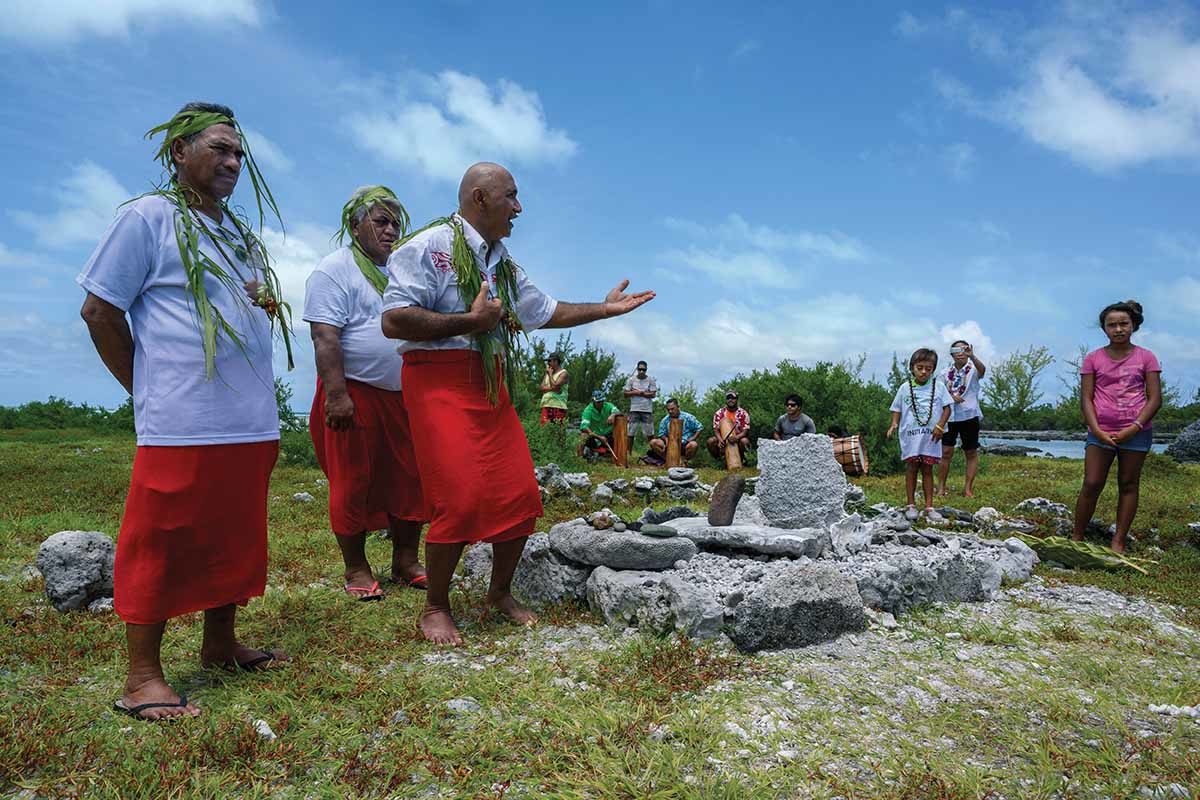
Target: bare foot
x=507, y=605
x=968, y=493
x=942, y=492
x=156, y=690
x=247, y=658
x=438, y=626
x=1118, y=545
x=1076, y=537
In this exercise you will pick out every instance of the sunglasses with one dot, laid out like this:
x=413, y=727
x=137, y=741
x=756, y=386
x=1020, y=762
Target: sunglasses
x=792, y=405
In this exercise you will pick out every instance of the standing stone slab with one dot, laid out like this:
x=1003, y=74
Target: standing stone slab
x=542, y=576
x=724, y=501
x=801, y=484
x=1186, y=447
x=77, y=567
x=805, y=604
x=579, y=542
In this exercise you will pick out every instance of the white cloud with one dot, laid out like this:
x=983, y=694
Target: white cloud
x=1179, y=298
x=970, y=331
x=960, y=160
x=910, y=26
x=1106, y=87
x=1178, y=247
x=35, y=22
x=87, y=202
x=294, y=256
x=982, y=36
x=732, y=337
x=745, y=48
x=460, y=120
x=1022, y=299
x=266, y=153
x=757, y=253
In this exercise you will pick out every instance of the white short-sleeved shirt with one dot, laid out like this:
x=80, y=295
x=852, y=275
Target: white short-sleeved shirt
x=917, y=439
x=137, y=268
x=338, y=294
x=964, y=382
x=421, y=274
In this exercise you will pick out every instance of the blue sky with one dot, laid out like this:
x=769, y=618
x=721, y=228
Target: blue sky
x=805, y=183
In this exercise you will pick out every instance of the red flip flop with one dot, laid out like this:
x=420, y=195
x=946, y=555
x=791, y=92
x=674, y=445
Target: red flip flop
x=420, y=582
x=364, y=595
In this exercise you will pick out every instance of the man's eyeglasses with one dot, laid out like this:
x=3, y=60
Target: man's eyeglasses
x=792, y=405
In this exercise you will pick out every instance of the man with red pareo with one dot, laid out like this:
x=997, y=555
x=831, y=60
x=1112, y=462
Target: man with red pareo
x=358, y=423
x=457, y=300
x=195, y=353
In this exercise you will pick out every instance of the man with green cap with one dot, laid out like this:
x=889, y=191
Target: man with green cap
x=358, y=422
x=195, y=353
x=596, y=425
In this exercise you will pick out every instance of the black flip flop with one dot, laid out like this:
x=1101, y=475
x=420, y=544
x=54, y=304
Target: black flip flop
x=136, y=711
x=255, y=664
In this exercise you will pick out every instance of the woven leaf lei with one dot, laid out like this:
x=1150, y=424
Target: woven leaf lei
x=377, y=195
x=189, y=229
x=493, y=345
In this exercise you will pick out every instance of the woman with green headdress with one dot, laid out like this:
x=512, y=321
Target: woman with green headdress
x=458, y=299
x=195, y=354
x=358, y=422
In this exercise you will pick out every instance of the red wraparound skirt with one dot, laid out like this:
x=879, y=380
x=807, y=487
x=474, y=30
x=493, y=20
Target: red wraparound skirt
x=371, y=468
x=475, y=466
x=194, y=534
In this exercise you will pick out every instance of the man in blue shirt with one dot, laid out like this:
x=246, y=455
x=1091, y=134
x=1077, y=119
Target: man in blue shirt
x=691, y=431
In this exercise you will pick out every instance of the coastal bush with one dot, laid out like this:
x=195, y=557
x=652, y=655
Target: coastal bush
x=56, y=413
x=834, y=395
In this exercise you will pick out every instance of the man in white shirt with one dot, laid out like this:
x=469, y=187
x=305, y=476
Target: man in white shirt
x=641, y=390
x=194, y=532
x=476, y=470
x=358, y=422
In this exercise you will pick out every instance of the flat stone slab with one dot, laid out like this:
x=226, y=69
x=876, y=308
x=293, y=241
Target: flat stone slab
x=658, y=531
x=579, y=542
x=791, y=542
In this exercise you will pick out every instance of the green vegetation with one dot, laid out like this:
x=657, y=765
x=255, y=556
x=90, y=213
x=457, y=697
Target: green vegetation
x=1018, y=700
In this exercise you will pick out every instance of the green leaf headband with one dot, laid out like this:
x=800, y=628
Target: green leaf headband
x=375, y=195
x=189, y=123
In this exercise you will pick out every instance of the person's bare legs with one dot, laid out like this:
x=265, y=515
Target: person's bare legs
x=406, y=542
x=944, y=469
x=910, y=482
x=715, y=449
x=505, y=556
x=1096, y=462
x=689, y=450
x=144, y=682
x=220, y=647
x=972, y=470
x=658, y=447
x=354, y=555
x=927, y=485
x=1129, y=476
x=436, y=623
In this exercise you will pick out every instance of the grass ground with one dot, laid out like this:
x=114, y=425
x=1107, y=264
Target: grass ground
x=1025, y=698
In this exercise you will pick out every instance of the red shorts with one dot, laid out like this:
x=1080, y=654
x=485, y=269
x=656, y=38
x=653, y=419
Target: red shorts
x=194, y=534
x=553, y=414
x=371, y=467
x=475, y=466
x=922, y=460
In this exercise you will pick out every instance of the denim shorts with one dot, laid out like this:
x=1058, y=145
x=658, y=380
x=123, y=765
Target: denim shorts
x=1140, y=443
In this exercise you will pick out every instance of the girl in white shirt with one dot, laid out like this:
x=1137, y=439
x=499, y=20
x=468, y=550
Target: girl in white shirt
x=918, y=400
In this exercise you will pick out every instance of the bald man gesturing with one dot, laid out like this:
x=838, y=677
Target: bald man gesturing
x=457, y=301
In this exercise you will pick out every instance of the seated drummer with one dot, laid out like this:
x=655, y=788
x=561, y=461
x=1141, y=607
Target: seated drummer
x=597, y=425
x=739, y=434
x=792, y=423
x=690, y=442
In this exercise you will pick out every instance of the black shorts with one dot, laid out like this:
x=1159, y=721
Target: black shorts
x=968, y=429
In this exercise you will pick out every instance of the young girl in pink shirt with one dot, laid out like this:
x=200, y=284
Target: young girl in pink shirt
x=1120, y=391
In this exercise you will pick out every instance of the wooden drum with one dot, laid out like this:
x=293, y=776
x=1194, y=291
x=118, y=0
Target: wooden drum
x=851, y=454
x=733, y=453
x=620, y=432
x=674, y=443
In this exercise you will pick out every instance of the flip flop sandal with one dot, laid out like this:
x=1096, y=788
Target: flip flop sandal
x=258, y=663
x=136, y=711
x=420, y=582
x=364, y=595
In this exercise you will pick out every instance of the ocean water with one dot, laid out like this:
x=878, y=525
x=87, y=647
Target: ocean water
x=1055, y=448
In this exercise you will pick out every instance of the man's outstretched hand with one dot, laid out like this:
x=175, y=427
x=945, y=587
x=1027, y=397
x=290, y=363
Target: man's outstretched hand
x=618, y=302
